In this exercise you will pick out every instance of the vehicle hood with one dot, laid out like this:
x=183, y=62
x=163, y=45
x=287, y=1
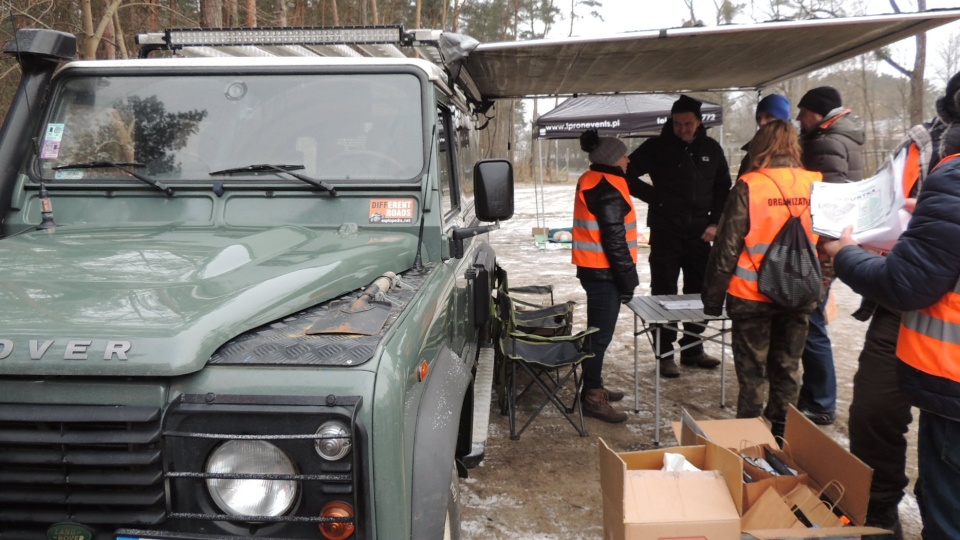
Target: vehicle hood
x=87, y=301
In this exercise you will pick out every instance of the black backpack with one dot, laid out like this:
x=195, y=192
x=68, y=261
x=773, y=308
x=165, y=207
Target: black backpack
x=789, y=273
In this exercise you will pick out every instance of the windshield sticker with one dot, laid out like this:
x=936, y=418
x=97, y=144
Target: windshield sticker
x=68, y=174
x=50, y=150
x=391, y=210
x=51, y=141
x=54, y=132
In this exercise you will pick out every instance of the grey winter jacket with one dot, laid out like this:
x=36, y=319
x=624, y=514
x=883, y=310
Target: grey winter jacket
x=833, y=148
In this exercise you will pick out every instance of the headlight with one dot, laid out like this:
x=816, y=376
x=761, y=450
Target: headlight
x=333, y=441
x=251, y=496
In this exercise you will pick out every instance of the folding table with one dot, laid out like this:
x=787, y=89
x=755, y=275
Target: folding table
x=671, y=311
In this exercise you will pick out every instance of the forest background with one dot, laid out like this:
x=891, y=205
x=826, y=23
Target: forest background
x=888, y=90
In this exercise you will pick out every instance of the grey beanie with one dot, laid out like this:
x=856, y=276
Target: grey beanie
x=602, y=150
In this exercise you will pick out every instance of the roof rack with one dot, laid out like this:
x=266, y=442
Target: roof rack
x=444, y=49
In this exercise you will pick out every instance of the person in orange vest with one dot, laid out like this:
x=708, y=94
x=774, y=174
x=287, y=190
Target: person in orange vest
x=767, y=339
x=880, y=414
x=920, y=276
x=605, y=253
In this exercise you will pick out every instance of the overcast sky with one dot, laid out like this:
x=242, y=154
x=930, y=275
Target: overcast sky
x=632, y=15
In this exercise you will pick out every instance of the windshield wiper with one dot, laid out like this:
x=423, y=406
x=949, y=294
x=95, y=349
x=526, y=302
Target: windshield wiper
x=278, y=170
x=121, y=166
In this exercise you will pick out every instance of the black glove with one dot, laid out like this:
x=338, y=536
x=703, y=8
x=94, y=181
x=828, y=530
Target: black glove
x=713, y=311
x=626, y=297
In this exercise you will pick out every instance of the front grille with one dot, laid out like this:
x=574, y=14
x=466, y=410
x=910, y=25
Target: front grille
x=97, y=465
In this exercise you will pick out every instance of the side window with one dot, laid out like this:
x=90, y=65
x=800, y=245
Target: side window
x=446, y=172
x=466, y=149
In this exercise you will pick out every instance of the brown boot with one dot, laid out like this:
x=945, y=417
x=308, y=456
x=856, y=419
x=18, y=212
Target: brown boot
x=612, y=395
x=669, y=369
x=597, y=405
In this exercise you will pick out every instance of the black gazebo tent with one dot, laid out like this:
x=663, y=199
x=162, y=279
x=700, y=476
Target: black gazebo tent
x=621, y=115
x=624, y=115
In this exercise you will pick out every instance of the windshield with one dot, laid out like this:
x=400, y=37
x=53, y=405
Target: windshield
x=183, y=127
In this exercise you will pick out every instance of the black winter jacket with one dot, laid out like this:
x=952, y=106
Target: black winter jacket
x=833, y=148
x=922, y=266
x=690, y=181
x=606, y=203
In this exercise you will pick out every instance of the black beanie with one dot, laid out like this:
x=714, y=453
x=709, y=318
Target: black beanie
x=686, y=103
x=948, y=106
x=821, y=100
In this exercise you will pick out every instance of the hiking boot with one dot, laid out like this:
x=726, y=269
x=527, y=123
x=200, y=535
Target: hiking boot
x=612, y=395
x=885, y=517
x=596, y=404
x=820, y=418
x=700, y=360
x=669, y=369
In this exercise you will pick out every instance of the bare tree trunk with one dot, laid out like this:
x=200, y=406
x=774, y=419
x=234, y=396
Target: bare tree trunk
x=211, y=13
x=282, y=13
x=109, y=34
x=251, y=20
x=376, y=16
x=336, y=16
x=92, y=38
x=873, y=142
x=416, y=16
x=118, y=32
x=89, y=51
x=916, y=80
x=456, y=16
x=233, y=13
x=153, y=17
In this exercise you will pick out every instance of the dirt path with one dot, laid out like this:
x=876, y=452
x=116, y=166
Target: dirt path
x=546, y=485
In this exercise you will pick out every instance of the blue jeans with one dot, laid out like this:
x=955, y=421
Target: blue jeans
x=818, y=393
x=603, y=308
x=938, y=457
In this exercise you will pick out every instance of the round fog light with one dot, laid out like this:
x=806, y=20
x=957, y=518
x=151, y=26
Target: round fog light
x=333, y=441
x=251, y=497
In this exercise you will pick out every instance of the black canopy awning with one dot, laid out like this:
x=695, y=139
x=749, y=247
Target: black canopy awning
x=625, y=115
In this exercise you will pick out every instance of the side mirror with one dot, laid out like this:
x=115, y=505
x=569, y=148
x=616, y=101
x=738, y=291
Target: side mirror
x=493, y=189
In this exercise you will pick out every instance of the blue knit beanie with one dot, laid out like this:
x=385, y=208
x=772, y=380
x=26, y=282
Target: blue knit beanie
x=776, y=105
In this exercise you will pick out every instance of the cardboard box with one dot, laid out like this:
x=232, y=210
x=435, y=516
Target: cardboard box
x=642, y=502
x=817, y=455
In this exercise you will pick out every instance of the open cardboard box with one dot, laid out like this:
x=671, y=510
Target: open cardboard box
x=641, y=502
x=820, y=457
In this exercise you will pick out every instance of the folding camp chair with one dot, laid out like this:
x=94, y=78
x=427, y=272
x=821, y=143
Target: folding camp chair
x=549, y=361
x=531, y=318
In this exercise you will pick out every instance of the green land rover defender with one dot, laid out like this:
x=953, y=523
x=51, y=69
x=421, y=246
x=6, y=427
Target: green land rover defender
x=244, y=287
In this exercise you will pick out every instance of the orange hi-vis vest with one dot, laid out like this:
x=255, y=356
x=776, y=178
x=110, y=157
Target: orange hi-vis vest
x=770, y=208
x=587, y=248
x=911, y=169
x=929, y=338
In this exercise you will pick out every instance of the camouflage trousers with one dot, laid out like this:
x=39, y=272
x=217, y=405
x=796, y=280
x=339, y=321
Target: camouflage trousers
x=766, y=353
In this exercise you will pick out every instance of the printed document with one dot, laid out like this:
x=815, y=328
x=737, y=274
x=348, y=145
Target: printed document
x=873, y=206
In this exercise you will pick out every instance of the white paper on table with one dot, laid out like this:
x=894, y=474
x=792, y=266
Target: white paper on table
x=681, y=304
x=873, y=206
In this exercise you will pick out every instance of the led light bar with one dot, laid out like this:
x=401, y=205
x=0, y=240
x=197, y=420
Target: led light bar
x=348, y=35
